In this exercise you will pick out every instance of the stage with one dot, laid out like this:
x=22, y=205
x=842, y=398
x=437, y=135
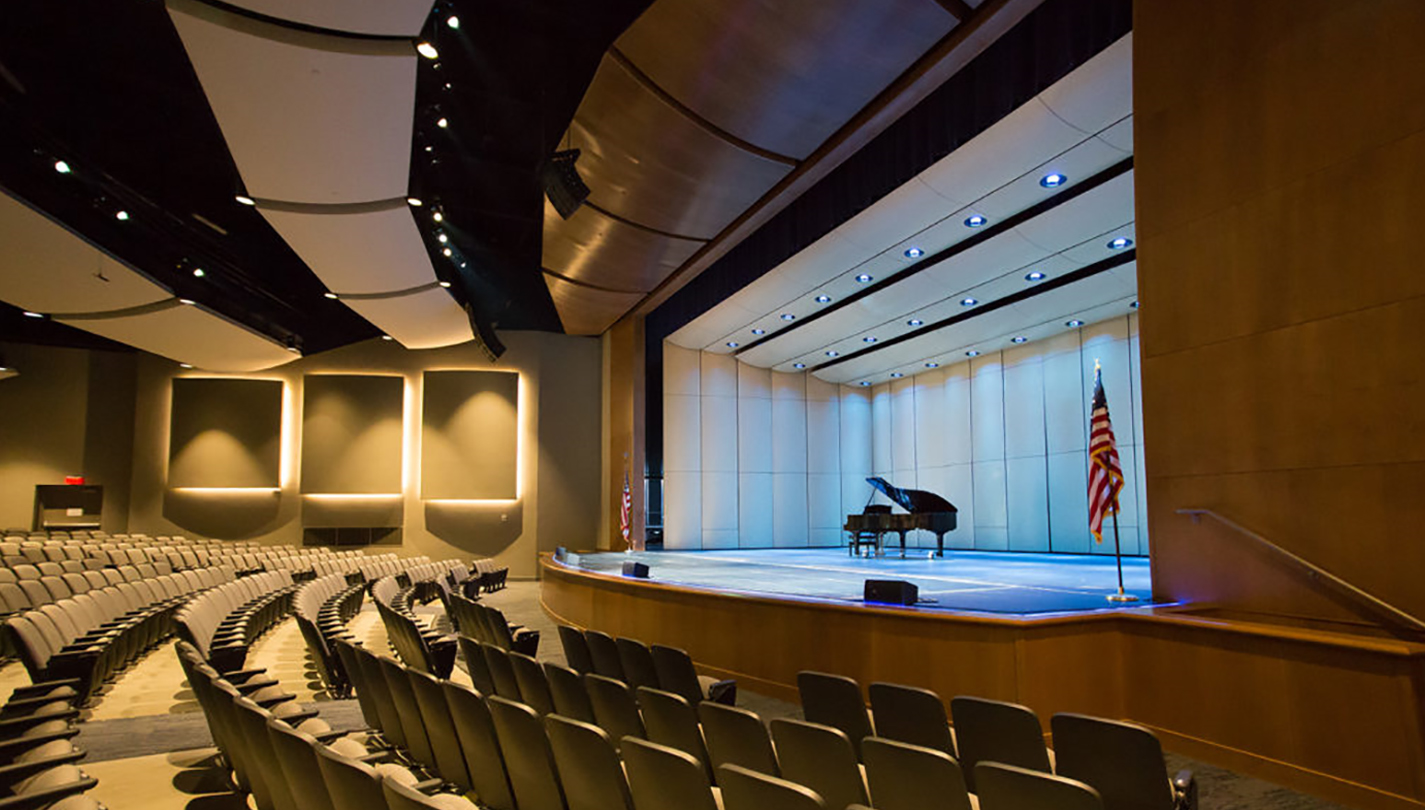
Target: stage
x=994, y=582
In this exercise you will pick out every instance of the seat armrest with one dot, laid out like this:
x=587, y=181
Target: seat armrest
x=44, y=686
x=44, y=798
x=428, y=785
x=11, y=726
x=13, y=773
x=724, y=692
x=17, y=706
x=1185, y=790
x=240, y=675
x=13, y=747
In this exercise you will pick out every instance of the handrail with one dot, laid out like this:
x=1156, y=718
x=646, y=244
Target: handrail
x=1372, y=605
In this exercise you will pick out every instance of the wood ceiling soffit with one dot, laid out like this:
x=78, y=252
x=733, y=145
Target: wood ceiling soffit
x=585, y=310
x=953, y=52
x=783, y=75
x=598, y=251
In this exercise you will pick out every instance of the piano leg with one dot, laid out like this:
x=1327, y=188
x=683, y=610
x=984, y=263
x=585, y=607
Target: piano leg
x=940, y=544
x=902, y=534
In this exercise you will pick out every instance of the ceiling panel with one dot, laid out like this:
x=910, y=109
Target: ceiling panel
x=46, y=268
x=587, y=311
x=189, y=334
x=1092, y=212
x=309, y=118
x=599, y=250
x=1078, y=164
x=909, y=209
x=781, y=74
x=1012, y=146
x=647, y=162
x=1097, y=93
x=374, y=250
x=1120, y=135
x=423, y=320
x=393, y=18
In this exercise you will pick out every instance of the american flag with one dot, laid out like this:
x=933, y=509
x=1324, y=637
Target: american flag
x=1105, y=474
x=625, y=512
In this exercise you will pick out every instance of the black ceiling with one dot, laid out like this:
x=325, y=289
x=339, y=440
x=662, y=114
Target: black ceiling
x=107, y=87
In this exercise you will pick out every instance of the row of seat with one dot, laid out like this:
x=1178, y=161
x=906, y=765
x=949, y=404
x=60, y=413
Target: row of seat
x=222, y=623
x=489, y=625
x=637, y=664
x=37, y=754
x=40, y=585
x=489, y=577
x=322, y=608
x=418, y=646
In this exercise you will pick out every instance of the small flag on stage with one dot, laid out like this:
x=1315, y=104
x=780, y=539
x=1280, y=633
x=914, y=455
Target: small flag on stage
x=1105, y=474
x=625, y=512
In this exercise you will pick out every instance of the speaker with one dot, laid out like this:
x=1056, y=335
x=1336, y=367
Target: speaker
x=637, y=570
x=891, y=592
x=562, y=184
x=560, y=552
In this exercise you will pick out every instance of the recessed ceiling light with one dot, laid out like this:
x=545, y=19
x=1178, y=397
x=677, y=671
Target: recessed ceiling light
x=245, y=200
x=973, y=353
x=443, y=238
x=759, y=331
x=61, y=167
x=453, y=21
x=185, y=365
x=1119, y=243
x=864, y=382
x=447, y=252
x=29, y=314
x=975, y=221
x=1053, y=180
x=787, y=316
x=1018, y=339
x=732, y=344
x=198, y=272
x=444, y=283
x=442, y=123
x=1035, y=276
x=415, y=201
x=122, y=216
x=914, y=322
x=869, y=339
x=829, y=353
x=387, y=337
x=913, y=253
x=823, y=299
x=330, y=295
x=1133, y=305
x=863, y=278
x=897, y=374
x=437, y=216
x=799, y=365
x=968, y=302
x=1074, y=324
x=186, y=301
x=427, y=50
x=932, y=364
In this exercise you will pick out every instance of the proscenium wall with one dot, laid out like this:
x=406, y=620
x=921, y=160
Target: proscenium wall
x=755, y=458
x=559, y=438
x=1281, y=183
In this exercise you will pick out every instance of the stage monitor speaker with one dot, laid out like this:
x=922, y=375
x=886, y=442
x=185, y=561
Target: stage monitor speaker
x=560, y=552
x=637, y=570
x=891, y=592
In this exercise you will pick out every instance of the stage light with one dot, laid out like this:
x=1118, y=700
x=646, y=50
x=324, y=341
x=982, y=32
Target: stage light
x=932, y=364
x=427, y=50
x=442, y=123
x=245, y=200
x=1018, y=339
x=869, y=339
x=443, y=238
x=896, y=374
x=973, y=353
x=437, y=216
x=1074, y=324
x=799, y=365
x=61, y=167
x=914, y=322
x=823, y=299
x=330, y=295
x=187, y=302
x=913, y=253
x=387, y=337
x=732, y=344
x=832, y=353
x=1119, y=243
x=443, y=283
x=448, y=253
x=968, y=302
x=787, y=316
x=122, y=216
x=864, y=278
x=185, y=365
x=1053, y=180
x=975, y=221
x=1035, y=276
x=453, y=21
x=198, y=272
x=414, y=201
x=759, y=331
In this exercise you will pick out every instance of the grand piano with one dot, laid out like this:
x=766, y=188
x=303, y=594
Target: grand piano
x=924, y=510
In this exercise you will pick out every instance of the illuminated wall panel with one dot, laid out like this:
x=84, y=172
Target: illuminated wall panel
x=351, y=434
x=225, y=433
x=470, y=435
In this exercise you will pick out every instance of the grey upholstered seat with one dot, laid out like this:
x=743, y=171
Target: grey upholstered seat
x=677, y=674
x=835, y=700
x=912, y=715
x=744, y=789
x=669, y=720
x=475, y=664
x=401, y=796
x=902, y=776
x=567, y=690
x=821, y=758
x=480, y=746
x=660, y=777
x=502, y=672
x=529, y=761
x=440, y=729
x=1005, y=787
x=576, y=649
x=604, y=652
x=996, y=731
x=1122, y=761
x=615, y=708
x=589, y=766
x=533, y=686
x=637, y=662
x=737, y=737
x=399, y=684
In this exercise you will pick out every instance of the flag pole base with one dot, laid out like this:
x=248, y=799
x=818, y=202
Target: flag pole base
x=1122, y=597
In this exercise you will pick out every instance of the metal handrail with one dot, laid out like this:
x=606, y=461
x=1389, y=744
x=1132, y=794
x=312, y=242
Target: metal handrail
x=1371, y=605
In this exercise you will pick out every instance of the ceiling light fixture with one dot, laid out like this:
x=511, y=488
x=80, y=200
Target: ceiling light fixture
x=453, y=21
x=1074, y=324
x=1119, y=243
x=732, y=344
x=932, y=364
x=975, y=221
x=823, y=299
x=914, y=322
x=245, y=200
x=330, y=295
x=865, y=382
x=799, y=365
x=187, y=302
x=968, y=302
x=428, y=50
x=1018, y=339
x=443, y=238
x=759, y=331
x=185, y=365
x=414, y=201
x=864, y=278
x=437, y=216
x=448, y=252
x=832, y=353
x=443, y=283
x=442, y=123
x=122, y=216
x=29, y=314
x=1053, y=180
x=198, y=272
x=387, y=337
x=913, y=253
x=897, y=375
x=1035, y=276
x=1133, y=305
x=61, y=167
x=787, y=316
x=973, y=353
x=869, y=339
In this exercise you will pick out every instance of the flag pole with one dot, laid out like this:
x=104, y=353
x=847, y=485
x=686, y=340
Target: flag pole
x=1121, y=596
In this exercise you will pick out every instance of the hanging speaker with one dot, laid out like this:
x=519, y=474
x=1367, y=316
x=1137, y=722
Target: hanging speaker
x=562, y=184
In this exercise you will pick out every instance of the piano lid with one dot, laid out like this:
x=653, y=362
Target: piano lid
x=912, y=500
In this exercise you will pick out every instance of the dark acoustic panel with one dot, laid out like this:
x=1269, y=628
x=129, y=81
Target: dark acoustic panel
x=225, y=433
x=470, y=435
x=352, y=434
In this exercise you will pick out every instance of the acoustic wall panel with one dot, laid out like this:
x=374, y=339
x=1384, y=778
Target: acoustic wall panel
x=789, y=423
x=754, y=419
x=470, y=435
x=1069, y=502
x=682, y=510
x=352, y=433
x=1027, y=503
x=1066, y=410
x=1023, y=405
x=987, y=407
x=225, y=433
x=903, y=437
x=958, y=444
x=790, y=526
x=930, y=426
x=882, y=458
x=754, y=510
x=682, y=448
x=855, y=448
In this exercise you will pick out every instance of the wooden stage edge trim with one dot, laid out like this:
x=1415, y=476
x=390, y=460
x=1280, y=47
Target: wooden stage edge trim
x=1326, y=713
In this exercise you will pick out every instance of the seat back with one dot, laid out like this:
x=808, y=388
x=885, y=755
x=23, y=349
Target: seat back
x=996, y=731
x=835, y=700
x=352, y=785
x=1005, y=787
x=475, y=664
x=374, y=679
x=589, y=766
x=528, y=758
x=604, y=652
x=401, y=796
x=744, y=789
x=637, y=662
x=566, y=689
x=576, y=649
x=912, y=715
x=480, y=746
x=676, y=673
x=347, y=654
x=737, y=737
x=902, y=776
x=297, y=754
x=821, y=758
x=663, y=777
x=534, y=687
x=502, y=672
x=615, y=708
x=1122, y=761
x=669, y=720
x=440, y=729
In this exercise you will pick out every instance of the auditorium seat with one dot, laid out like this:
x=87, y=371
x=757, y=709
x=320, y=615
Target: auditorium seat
x=475, y=664
x=588, y=764
x=669, y=720
x=511, y=639
x=528, y=758
x=502, y=672
x=603, y=650
x=480, y=746
x=567, y=690
x=737, y=737
x=576, y=649
x=835, y=700
x=744, y=789
x=533, y=685
x=636, y=661
x=677, y=674
x=663, y=777
x=1122, y=761
x=615, y=708
x=400, y=796
x=398, y=683
x=821, y=758
x=1005, y=787
x=440, y=729
x=997, y=731
x=912, y=715
x=902, y=776
x=355, y=785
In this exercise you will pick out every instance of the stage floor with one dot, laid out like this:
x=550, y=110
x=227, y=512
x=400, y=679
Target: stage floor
x=982, y=581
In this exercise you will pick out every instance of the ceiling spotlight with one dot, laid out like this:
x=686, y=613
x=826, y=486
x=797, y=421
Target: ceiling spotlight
x=1035, y=276
x=387, y=337
x=437, y=216
x=732, y=344
x=759, y=331
x=973, y=353
x=787, y=316
x=448, y=252
x=897, y=374
x=443, y=238
x=829, y=353
x=1074, y=324
x=914, y=322
x=428, y=50
x=863, y=278
x=1018, y=339
x=414, y=201
x=1119, y=243
x=1053, y=180
x=975, y=221
x=442, y=123
x=444, y=283
x=1133, y=305
x=865, y=382
x=869, y=339
x=291, y=344
x=823, y=299
x=61, y=167
x=799, y=365
x=198, y=272
x=187, y=302
x=185, y=365
x=29, y=314
x=245, y=200
x=932, y=364
x=330, y=295
x=968, y=302
x=453, y=21
x=122, y=216
x=913, y=253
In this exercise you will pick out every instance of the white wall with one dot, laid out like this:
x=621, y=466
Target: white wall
x=755, y=459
